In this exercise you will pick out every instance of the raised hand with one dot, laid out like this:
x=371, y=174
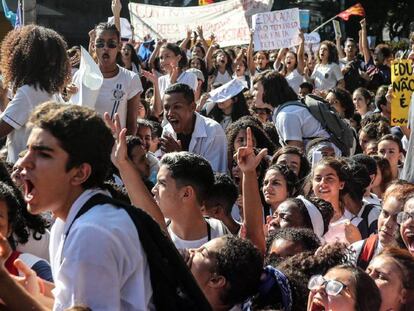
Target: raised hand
x=175, y=72
x=119, y=153
x=200, y=32
x=363, y=23
x=246, y=159
x=150, y=76
x=116, y=7
x=169, y=144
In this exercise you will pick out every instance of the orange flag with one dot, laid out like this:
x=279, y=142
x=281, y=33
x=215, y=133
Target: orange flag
x=205, y=2
x=356, y=9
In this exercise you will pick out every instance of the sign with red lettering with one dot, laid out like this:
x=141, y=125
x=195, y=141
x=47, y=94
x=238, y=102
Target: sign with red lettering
x=229, y=20
x=276, y=30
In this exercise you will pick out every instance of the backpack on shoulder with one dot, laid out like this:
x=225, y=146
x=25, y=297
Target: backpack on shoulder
x=341, y=134
x=173, y=285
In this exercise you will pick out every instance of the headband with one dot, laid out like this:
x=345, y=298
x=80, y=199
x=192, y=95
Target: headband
x=315, y=216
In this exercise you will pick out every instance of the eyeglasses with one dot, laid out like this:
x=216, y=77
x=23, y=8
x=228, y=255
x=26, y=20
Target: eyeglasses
x=332, y=287
x=403, y=217
x=110, y=44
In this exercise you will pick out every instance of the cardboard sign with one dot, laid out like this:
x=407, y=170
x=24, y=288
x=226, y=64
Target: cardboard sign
x=276, y=30
x=337, y=28
x=230, y=20
x=402, y=80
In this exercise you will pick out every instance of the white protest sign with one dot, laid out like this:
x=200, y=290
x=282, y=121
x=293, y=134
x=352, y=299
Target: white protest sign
x=276, y=30
x=229, y=20
x=312, y=38
x=89, y=79
x=126, y=31
x=337, y=28
x=312, y=42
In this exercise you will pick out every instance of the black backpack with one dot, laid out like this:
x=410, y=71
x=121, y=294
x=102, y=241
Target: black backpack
x=341, y=134
x=174, y=287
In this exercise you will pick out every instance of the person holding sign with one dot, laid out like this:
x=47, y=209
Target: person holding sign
x=293, y=64
x=327, y=73
x=257, y=62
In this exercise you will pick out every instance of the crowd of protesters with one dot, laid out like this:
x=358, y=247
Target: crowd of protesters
x=253, y=202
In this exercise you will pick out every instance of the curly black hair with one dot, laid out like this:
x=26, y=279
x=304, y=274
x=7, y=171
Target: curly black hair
x=241, y=264
x=304, y=236
x=24, y=222
x=36, y=56
x=262, y=140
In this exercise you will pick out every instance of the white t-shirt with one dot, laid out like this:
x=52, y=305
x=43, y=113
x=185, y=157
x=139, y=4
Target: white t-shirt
x=185, y=77
x=101, y=263
x=17, y=113
x=297, y=123
x=39, y=248
x=326, y=76
x=294, y=79
x=336, y=231
x=115, y=92
x=222, y=78
x=217, y=229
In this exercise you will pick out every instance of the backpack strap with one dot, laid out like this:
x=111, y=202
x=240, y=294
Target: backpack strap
x=290, y=103
x=367, y=251
x=174, y=287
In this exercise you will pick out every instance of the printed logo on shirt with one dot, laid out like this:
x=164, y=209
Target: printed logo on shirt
x=118, y=94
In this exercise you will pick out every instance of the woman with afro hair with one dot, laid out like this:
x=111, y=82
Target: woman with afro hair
x=36, y=68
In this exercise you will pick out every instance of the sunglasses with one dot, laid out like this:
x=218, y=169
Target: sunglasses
x=110, y=44
x=403, y=217
x=332, y=287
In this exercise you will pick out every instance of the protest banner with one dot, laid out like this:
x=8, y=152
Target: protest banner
x=276, y=30
x=229, y=20
x=402, y=80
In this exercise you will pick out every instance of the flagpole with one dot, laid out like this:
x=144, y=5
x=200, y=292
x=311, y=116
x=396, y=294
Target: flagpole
x=320, y=26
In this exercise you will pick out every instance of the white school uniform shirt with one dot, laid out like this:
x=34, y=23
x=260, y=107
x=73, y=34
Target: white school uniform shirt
x=326, y=76
x=185, y=77
x=115, y=93
x=208, y=140
x=297, y=123
x=103, y=264
x=294, y=79
x=17, y=113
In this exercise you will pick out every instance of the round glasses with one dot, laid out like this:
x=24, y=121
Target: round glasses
x=403, y=217
x=332, y=287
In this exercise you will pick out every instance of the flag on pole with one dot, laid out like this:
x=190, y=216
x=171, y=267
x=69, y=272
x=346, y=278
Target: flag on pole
x=205, y=2
x=356, y=9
